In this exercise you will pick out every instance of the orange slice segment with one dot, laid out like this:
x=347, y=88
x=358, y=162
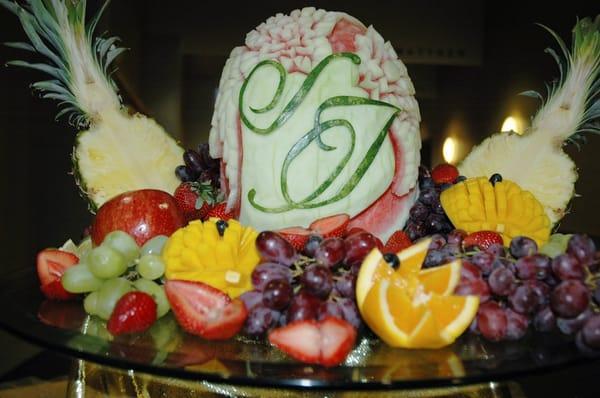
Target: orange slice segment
x=375, y=268
x=441, y=280
x=377, y=315
x=453, y=314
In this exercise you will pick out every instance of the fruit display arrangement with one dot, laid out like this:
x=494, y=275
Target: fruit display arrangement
x=331, y=232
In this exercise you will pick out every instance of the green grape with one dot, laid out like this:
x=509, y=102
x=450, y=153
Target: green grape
x=106, y=263
x=151, y=267
x=154, y=245
x=95, y=327
x=108, y=295
x=157, y=292
x=551, y=249
x=90, y=303
x=79, y=279
x=84, y=247
x=124, y=244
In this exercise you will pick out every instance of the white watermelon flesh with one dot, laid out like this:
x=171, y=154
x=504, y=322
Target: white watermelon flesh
x=381, y=199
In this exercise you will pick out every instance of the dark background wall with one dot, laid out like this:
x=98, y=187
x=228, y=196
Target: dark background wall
x=468, y=60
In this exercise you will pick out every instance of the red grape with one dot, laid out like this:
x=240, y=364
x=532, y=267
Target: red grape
x=496, y=249
x=476, y=287
x=591, y=332
x=582, y=247
x=573, y=325
x=524, y=300
x=193, y=160
x=437, y=242
x=329, y=308
x=567, y=266
x=274, y=247
x=357, y=247
x=251, y=298
x=266, y=272
x=345, y=284
x=484, y=261
x=277, y=294
x=502, y=281
x=303, y=306
x=544, y=320
x=260, y=319
x=312, y=244
x=317, y=280
x=456, y=236
x=569, y=299
x=517, y=325
x=419, y=212
x=469, y=272
x=331, y=252
x=492, y=321
x=541, y=290
x=350, y=312
x=522, y=246
x=433, y=258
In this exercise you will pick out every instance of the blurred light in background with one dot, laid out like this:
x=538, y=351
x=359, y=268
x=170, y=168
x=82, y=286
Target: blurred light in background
x=449, y=150
x=513, y=123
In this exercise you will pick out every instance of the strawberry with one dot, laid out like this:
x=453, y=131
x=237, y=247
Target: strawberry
x=219, y=211
x=205, y=311
x=444, y=173
x=194, y=199
x=337, y=339
x=51, y=264
x=482, y=239
x=326, y=342
x=133, y=313
x=297, y=236
x=331, y=227
x=397, y=242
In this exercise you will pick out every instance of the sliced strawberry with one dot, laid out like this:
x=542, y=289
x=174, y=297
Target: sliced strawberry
x=326, y=342
x=482, y=239
x=51, y=264
x=444, y=173
x=220, y=211
x=354, y=230
x=331, y=227
x=398, y=241
x=205, y=311
x=301, y=340
x=297, y=236
x=337, y=339
x=133, y=313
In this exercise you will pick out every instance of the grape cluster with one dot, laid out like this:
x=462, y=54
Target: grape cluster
x=313, y=284
x=106, y=272
x=521, y=287
x=427, y=215
x=199, y=166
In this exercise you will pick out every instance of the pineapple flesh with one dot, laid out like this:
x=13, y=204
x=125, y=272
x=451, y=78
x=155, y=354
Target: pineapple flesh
x=114, y=152
x=536, y=160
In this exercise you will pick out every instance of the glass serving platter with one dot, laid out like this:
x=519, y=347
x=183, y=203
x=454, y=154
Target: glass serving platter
x=165, y=350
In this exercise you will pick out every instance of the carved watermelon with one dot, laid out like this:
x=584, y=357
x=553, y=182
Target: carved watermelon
x=315, y=116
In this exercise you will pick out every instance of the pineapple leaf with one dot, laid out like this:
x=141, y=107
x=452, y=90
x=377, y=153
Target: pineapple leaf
x=78, y=64
x=532, y=94
x=20, y=46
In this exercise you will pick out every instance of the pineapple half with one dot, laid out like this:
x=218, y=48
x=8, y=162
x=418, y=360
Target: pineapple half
x=536, y=160
x=115, y=152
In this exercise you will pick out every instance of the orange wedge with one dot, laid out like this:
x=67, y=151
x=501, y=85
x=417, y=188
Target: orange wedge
x=374, y=267
x=410, y=307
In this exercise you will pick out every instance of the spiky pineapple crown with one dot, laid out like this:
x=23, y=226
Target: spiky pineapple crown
x=78, y=64
x=579, y=70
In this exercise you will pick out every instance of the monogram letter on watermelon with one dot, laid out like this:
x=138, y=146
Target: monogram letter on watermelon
x=337, y=133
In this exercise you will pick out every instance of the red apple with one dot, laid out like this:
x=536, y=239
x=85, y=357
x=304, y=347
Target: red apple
x=143, y=214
